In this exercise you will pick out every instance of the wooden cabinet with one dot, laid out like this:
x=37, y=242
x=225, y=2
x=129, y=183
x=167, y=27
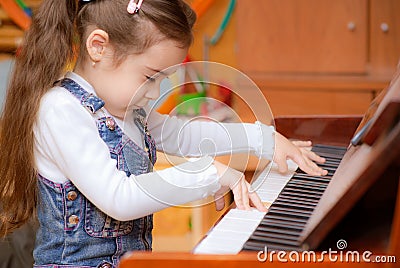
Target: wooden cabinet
x=318, y=56
x=316, y=36
x=384, y=27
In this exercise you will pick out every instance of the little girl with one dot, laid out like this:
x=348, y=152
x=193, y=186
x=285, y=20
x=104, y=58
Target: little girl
x=70, y=155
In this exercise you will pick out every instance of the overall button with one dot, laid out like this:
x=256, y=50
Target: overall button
x=71, y=196
x=73, y=219
x=105, y=265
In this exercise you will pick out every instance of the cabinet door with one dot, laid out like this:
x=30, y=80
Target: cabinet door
x=385, y=36
x=302, y=36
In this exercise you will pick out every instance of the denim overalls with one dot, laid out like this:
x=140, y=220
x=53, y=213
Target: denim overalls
x=75, y=233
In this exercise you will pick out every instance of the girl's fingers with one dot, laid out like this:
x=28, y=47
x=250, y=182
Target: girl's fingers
x=219, y=201
x=237, y=195
x=311, y=168
x=242, y=197
x=245, y=195
x=282, y=164
x=313, y=156
x=310, y=154
x=302, y=143
x=256, y=201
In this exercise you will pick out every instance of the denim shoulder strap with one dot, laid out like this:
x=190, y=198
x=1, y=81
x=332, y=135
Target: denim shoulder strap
x=87, y=100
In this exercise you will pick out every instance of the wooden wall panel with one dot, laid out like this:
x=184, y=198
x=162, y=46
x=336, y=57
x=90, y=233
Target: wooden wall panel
x=302, y=36
x=384, y=36
x=309, y=102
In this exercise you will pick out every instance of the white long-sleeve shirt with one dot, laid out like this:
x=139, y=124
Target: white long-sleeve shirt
x=68, y=147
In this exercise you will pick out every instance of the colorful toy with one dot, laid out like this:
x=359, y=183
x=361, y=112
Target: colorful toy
x=24, y=7
x=224, y=23
x=201, y=6
x=16, y=13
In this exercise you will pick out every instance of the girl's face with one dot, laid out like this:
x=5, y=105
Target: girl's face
x=136, y=81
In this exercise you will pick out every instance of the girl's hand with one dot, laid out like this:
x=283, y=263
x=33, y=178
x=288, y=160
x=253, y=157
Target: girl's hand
x=232, y=179
x=299, y=153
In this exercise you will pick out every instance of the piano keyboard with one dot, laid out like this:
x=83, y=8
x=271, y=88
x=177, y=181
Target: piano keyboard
x=293, y=197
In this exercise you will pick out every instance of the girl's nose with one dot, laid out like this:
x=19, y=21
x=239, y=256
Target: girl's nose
x=153, y=92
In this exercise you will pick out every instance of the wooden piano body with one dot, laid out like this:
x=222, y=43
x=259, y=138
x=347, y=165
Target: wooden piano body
x=361, y=203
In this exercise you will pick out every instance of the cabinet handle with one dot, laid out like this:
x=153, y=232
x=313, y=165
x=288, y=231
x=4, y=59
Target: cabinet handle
x=351, y=26
x=384, y=27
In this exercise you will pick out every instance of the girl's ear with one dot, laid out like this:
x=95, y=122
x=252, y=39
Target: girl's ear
x=96, y=44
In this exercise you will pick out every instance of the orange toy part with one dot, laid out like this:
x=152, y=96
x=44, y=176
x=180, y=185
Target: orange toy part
x=16, y=13
x=169, y=104
x=201, y=6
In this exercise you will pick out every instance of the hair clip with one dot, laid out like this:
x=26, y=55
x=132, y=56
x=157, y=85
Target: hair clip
x=84, y=2
x=134, y=7
x=81, y=3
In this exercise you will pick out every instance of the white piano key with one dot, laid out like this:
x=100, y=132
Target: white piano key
x=272, y=188
x=245, y=214
x=205, y=248
x=267, y=197
x=213, y=246
x=236, y=225
x=230, y=234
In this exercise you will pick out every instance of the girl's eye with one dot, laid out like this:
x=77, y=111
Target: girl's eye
x=150, y=78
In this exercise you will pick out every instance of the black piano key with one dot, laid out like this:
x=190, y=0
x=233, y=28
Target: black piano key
x=290, y=188
x=329, y=168
x=331, y=173
x=298, y=200
x=269, y=221
x=303, y=207
x=265, y=229
x=283, y=217
x=332, y=151
x=308, y=184
x=309, y=181
x=330, y=162
x=289, y=192
x=314, y=189
x=290, y=211
x=310, y=178
x=271, y=237
x=328, y=155
x=306, y=181
x=327, y=148
x=290, y=195
x=303, y=189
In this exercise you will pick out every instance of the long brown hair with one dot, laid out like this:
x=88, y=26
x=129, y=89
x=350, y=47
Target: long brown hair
x=47, y=48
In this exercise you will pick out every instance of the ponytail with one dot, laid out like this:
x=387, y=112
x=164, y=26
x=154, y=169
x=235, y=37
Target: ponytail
x=47, y=48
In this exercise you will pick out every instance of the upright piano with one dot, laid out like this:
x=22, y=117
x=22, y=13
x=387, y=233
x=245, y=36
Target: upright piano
x=356, y=207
